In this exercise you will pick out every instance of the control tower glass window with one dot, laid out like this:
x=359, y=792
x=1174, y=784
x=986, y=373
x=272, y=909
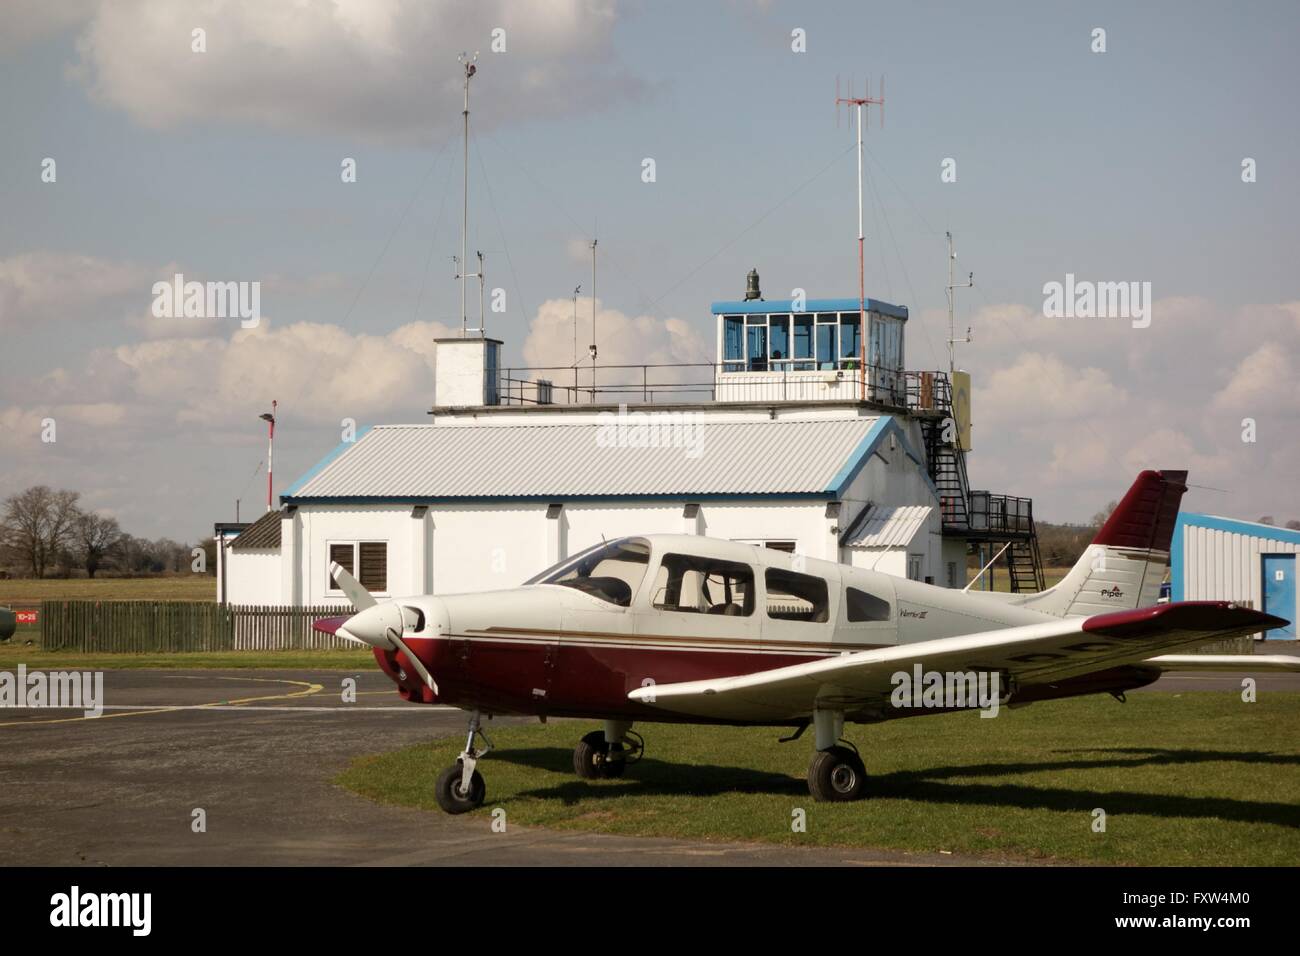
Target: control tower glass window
x=733, y=342
x=849, y=336
x=826, y=335
x=756, y=337
x=779, y=340
x=803, y=342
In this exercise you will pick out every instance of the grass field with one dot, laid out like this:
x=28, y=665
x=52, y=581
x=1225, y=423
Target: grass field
x=14, y=653
x=1184, y=779
x=171, y=587
x=1002, y=580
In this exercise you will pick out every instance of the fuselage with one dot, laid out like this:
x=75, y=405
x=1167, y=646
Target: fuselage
x=699, y=608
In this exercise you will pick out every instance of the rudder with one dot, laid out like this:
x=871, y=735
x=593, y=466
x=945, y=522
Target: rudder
x=1123, y=566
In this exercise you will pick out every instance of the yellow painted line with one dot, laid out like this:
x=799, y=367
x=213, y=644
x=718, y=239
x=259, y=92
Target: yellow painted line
x=309, y=689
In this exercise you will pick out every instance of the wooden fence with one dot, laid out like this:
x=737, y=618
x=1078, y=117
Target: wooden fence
x=175, y=626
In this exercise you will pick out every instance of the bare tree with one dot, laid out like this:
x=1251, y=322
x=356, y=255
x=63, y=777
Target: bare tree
x=98, y=538
x=1101, y=517
x=38, y=525
x=1293, y=524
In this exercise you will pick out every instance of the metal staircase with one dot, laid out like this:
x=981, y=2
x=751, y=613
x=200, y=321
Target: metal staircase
x=930, y=397
x=978, y=517
x=1025, y=565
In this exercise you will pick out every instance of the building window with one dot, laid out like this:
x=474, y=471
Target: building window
x=914, y=567
x=952, y=574
x=698, y=585
x=826, y=345
x=733, y=339
x=797, y=597
x=865, y=607
x=779, y=340
x=803, y=342
x=849, y=337
x=367, y=561
x=756, y=336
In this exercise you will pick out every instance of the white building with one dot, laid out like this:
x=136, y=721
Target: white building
x=1225, y=559
x=809, y=442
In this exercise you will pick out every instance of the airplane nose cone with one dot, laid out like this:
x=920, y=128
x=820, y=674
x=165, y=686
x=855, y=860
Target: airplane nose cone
x=372, y=626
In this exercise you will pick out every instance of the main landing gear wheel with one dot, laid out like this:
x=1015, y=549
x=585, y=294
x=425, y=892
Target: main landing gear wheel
x=451, y=795
x=595, y=759
x=837, y=775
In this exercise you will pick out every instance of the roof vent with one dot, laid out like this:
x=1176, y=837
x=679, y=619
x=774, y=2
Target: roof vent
x=751, y=286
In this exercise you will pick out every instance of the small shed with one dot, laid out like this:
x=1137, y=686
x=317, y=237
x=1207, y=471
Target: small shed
x=1227, y=559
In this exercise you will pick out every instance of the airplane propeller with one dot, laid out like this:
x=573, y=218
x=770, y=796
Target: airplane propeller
x=377, y=625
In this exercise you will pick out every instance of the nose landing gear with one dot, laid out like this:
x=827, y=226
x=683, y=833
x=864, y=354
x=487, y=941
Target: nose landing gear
x=460, y=788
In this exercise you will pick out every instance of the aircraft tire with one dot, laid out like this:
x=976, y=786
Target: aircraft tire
x=591, y=760
x=448, y=793
x=837, y=775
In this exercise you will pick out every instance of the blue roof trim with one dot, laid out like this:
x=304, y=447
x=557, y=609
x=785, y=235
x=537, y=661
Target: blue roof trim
x=683, y=496
x=870, y=444
x=858, y=459
x=316, y=469
x=1237, y=526
x=754, y=306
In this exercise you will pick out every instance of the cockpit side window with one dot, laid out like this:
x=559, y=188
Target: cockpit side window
x=700, y=585
x=797, y=597
x=611, y=572
x=862, y=606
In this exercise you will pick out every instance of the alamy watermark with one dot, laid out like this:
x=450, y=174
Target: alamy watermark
x=946, y=690
x=179, y=299
x=1084, y=299
x=651, y=430
x=129, y=910
x=67, y=690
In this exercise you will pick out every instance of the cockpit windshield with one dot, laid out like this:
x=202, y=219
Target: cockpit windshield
x=611, y=571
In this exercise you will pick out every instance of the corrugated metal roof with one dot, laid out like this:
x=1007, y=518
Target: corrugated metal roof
x=886, y=527
x=262, y=533
x=591, y=460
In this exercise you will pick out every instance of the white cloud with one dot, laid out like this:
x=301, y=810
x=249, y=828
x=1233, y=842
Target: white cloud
x=621, y=339
x=28, y=21
x=1262, y=380
x=49, y=285
x=1045, y=390
x=370, y=68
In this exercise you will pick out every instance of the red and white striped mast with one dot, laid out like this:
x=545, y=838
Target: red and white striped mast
x=858, y=102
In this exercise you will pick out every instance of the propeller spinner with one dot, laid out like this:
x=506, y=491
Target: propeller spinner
x=381, y=626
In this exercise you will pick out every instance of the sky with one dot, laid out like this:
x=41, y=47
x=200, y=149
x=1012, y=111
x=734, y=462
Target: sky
x=1122, y=164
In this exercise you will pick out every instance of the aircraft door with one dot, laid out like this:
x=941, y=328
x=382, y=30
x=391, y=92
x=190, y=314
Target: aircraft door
x=698, y=618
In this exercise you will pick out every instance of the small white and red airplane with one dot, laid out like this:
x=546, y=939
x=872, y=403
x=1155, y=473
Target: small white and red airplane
x=688, y=629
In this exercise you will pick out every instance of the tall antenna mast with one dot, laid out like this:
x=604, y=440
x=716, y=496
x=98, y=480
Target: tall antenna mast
x=593, y=319
x=858, y=102
x=467, y=62
x=952, y=295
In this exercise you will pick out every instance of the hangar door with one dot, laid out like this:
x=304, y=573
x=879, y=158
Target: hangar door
x=1279, y=593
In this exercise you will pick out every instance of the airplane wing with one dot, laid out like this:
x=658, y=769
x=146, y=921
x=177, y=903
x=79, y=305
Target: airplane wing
x=1237, y=663
x=1031, y=654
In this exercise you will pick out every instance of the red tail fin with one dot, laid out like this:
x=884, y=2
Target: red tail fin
x=1146, y=517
